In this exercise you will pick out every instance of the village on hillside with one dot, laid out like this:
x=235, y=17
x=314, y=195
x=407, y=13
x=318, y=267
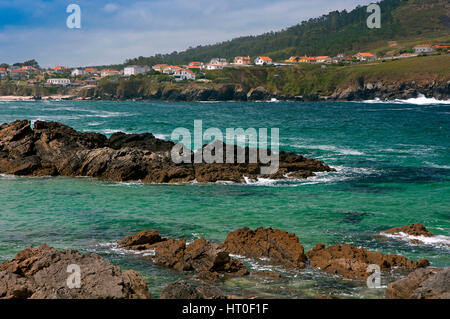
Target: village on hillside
x=194, y=71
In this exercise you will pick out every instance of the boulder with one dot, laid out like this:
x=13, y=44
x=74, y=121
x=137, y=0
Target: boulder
x=42, y=273
x=422, y=284
x=279, y=246
x=184, y=290
x=352, y=262
x=54, y=149
x=413, y=230
x=200, y=256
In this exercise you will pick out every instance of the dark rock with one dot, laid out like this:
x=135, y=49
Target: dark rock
x=184, y=290
x=200, y=256
x=277, y=245
x=422, y=284
x=413, y=230
x=41, y=273
x=141, y=241
x=55, y=149
x=352, y=262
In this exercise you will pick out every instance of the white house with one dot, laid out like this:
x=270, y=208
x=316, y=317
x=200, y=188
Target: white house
x=213, y=66
x=18, y=74
x=183, y=74
x=109, y=72
x=135, y=70
x=3, y=73
x=220, y=61
x=78, y=72
x=263, y=60
x=62, y=82
x=423, y=48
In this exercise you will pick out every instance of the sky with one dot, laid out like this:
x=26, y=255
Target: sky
x=113, y=31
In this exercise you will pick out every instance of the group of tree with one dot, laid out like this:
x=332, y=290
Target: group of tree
x=336, y=32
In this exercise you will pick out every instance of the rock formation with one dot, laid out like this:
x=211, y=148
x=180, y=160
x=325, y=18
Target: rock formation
x=413, y=230
x=422, y=284
x=204, y=257
x=52, y=149
x=42, y=273
x=184, y=290
x=352, y=262
x=277, y=245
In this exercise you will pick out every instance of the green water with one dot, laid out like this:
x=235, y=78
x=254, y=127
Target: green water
x=393, y=162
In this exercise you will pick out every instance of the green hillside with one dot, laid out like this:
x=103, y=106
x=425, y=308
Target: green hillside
x=404, y=23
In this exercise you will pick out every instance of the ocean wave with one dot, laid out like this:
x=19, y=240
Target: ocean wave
x=420, y=100
x=437, y=165
x=114, y=248
x=439, y=241
x=332, y=148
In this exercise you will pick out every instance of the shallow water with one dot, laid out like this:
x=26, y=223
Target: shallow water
x=393, y=168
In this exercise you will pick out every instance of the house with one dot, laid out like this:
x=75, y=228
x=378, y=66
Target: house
x=135, y=70
x=242, y=60
x=441, y=47
x=323, y=59
x=423, y=48
x=292, y=59
x=306, y=59
x=18, y=75
x=29, y=69
x=59, y=69
x=263, y=60
x=220, y=61
x=183, y=74
x=341, y=57
x=159, y=67
x=365, y=56
x=211, y=66
x=78, y=72
x=91, y=71
x=407, y=55
x=3, y=74
x=170, y=69
x=109, y=72
x=62, y=82
x=195, y=64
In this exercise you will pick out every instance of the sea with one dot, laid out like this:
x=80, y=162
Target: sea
x=392, y=162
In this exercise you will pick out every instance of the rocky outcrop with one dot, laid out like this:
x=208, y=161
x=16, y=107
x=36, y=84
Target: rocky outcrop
x=52, y=149
x=279, y=246
x=207, y=258
x=353, y=262
x=422, y=284
x=412, y=230
x=42, y=273
x=184, y=290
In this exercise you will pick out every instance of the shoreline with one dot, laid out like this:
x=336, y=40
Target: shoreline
x=14, y=98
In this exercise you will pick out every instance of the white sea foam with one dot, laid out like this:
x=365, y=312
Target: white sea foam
x=420, y=100
x=437, y=166
x=162, y=136
x=115, y=248
x=440, y=241
x=332, y=148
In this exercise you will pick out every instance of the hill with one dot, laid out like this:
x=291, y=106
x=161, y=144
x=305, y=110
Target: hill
x=404, y=23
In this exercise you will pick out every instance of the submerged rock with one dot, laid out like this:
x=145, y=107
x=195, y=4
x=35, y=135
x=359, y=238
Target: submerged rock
x=52, y=149
x=422, y=284
x=279, y=246
x=353, y=262
x=184, y=290
x=412, y=230
x=200, y=256
x=42, y=273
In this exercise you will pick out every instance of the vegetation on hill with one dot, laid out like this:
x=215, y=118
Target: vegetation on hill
x=403, y=23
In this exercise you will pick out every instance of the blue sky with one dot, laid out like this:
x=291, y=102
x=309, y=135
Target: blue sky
x=113, y=31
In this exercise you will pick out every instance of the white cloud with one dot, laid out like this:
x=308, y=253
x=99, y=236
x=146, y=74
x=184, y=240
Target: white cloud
x=110, y=8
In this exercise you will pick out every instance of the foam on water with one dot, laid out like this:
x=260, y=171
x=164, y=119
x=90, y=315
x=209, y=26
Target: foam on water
x=440, y=241
x=420, y=100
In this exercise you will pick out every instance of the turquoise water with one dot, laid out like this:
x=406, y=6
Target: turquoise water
x=393, y=168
